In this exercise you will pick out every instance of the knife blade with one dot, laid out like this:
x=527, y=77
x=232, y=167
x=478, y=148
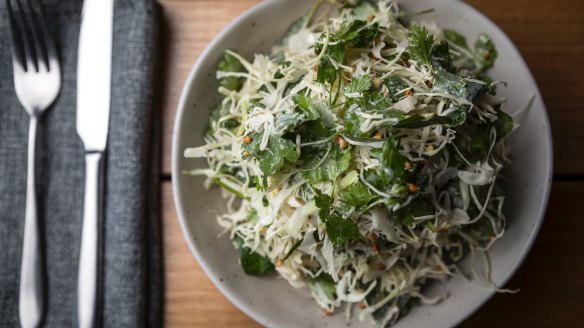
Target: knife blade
x=93, y=107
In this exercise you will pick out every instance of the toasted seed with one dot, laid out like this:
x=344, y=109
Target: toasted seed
x=343, y=144
x=412, y=188
x=376, y=83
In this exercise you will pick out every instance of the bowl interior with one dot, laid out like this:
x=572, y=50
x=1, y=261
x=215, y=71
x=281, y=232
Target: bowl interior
x=271, y=301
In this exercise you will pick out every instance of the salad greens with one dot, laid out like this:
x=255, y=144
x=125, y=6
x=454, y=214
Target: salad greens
x=361, y=158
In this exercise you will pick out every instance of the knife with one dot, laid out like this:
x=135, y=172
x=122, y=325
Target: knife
x=93, y=106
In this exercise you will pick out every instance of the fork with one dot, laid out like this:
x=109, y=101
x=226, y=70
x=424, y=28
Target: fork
x=37, y=81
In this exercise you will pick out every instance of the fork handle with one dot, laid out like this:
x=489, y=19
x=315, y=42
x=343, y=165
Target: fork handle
x=31, y=289
x=89, y=256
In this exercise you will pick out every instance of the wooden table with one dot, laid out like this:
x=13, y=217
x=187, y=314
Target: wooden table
x=550, y=35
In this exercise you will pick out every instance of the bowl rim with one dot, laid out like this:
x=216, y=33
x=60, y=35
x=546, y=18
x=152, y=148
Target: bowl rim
x=176, y=152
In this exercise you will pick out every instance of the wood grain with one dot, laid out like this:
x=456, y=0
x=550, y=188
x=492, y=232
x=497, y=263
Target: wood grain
x=550, y=279
x=188, y=27
x=191, y=299
x=549, y=34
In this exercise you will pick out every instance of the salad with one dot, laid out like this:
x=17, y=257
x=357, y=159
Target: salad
x=361, y=159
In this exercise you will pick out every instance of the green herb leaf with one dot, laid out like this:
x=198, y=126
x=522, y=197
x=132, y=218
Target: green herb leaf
x=251, y=262
x=324, y=203
x=352, y=123
x=395, y=85
x=458, y=86
x=503, y=124
x=349, y=30
x=287, y=122
x=392, y=167
x=274, y=156
x=455, y=119
x=392, y=162
x=354, y=34
x=334, y=165
x=485, y=52
x=359, y=84
x=363, y=10
x=455, y=37
x=314, y=130
x=327, y=71
x=421, y=42
x=441, y=57
x=340, y=230
x=230, y=64
x=293, y=248
x=357, y=195
x=302, y=99
x=421, y=206
x=326, y=284
x=229, y=189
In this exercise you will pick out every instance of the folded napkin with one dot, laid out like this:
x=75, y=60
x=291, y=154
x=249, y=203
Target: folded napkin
x=132, y=281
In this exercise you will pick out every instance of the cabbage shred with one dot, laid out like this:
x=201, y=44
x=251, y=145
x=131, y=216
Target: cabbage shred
x=361, y=158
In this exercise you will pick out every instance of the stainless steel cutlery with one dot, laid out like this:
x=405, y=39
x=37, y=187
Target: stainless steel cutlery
x=37, y=81
x=93, y=106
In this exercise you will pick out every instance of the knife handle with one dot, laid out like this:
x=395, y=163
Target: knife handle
x=31, y=298
x=89, y=255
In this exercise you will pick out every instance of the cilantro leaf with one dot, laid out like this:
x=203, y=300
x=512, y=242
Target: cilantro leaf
x=251, y=262
x=395, y=85
x=455, y=37
x=392, y=166
x=349, y=30
x=458, y=86
x=327, y=71
x=421, y=41
x=334, y=165
x=304, y=102
x=503, y=124
x=340, y=230
x=286, y=122
x=352, y=123
x=355, y=34
x=274, y=156
x=392, y=162
x=357, y=195
x=441, y=57
x=485, y=52
x=455, y=119
x=421, y=206
x=324, y=203
x=314, y=130
x=359, y=84
x=230, y=64
x=326, y=283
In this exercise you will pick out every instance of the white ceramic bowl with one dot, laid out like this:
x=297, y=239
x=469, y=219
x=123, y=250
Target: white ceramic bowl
x=271, y=301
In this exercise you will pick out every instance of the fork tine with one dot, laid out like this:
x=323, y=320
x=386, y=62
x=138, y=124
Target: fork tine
x=37, y=41
x=17, y=55
x=28, y=58
x=50, y=46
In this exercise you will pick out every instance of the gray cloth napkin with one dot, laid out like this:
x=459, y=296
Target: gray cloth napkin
x=132, y=281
